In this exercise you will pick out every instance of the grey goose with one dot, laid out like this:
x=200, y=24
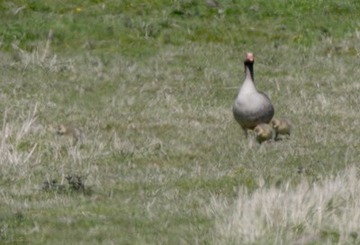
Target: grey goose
x=251, y=107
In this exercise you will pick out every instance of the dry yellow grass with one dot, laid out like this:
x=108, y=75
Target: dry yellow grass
x=325, y=212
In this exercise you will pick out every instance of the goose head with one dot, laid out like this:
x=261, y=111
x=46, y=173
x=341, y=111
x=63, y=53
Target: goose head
x=249, y=66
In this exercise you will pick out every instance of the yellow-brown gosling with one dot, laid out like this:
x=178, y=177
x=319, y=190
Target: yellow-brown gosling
x=72, y=132
x=264, y=132
x=281, y=127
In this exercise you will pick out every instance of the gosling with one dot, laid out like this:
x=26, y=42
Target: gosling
x=264, y=132
x=281, y=127
x=75, y=133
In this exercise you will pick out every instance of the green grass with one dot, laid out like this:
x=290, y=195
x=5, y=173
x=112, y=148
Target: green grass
x=151, y=84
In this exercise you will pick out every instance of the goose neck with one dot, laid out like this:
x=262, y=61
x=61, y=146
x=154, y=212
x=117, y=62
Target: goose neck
x=249, y=70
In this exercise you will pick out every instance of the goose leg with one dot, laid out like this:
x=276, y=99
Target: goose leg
x=245, y=132
x=277, y=136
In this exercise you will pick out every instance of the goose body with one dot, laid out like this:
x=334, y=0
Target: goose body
x=251, y=107
x=264, y=132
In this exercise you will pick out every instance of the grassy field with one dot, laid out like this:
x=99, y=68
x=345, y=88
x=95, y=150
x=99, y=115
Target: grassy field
x=151, y=84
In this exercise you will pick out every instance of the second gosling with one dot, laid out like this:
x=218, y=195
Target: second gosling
x=73, y=132
x=264, y=132
x=281, y=126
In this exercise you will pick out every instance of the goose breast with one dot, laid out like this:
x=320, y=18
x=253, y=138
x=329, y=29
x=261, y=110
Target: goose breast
x=251, y=109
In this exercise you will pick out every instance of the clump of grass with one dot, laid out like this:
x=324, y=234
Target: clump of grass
x=52, y=185
x=322, y=212
x=75, y=184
